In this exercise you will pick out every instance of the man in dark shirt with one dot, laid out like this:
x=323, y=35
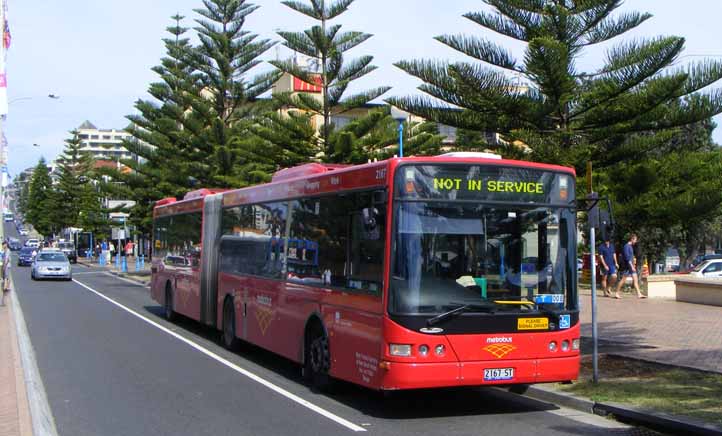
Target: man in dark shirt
x=630, y=267
x=609, y=266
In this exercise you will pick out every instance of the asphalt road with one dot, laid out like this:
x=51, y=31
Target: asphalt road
x=107, y=371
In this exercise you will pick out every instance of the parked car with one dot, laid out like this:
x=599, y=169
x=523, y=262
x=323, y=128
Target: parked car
x=51, y=265
x=33, y=243
x=69, y=249
x=703, y=258
x=26, y=256
x=23, y=232
x=709, y=268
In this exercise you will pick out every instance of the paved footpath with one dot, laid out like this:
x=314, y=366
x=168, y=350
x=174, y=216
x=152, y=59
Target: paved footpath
x=14, y=411
x=664, y=331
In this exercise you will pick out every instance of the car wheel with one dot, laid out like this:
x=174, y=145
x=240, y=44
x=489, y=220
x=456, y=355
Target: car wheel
x=228, y=336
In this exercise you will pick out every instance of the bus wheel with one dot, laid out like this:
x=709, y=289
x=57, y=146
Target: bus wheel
x=168, y=304
x=519, y=389
x=228, y=336
x=318, y=362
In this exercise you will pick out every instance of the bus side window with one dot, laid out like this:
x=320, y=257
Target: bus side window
x=366, y=251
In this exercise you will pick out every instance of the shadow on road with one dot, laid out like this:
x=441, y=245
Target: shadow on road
x=416, y=404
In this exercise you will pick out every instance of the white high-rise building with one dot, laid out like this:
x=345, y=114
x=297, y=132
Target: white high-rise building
x=104, y=144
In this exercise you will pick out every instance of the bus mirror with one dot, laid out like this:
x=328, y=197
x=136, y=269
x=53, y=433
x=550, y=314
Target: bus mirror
x=369, y=214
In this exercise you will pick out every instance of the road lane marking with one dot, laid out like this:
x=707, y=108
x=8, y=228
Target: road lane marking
x=291, y=396
x=132, y=282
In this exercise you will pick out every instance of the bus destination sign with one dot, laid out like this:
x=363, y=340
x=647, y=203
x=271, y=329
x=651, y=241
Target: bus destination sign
x=480, y=183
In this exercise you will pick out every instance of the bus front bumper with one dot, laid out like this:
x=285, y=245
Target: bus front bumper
x=399, y=375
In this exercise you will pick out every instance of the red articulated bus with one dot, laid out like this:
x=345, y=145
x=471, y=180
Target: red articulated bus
x=453, y=270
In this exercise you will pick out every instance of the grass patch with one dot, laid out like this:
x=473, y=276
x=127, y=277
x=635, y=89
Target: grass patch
x=651, y=386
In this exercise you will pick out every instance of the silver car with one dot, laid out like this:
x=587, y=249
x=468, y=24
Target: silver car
x=51, y=265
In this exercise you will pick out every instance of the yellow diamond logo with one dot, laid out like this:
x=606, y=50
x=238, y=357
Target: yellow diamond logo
x=264, y=317
x=499, y=350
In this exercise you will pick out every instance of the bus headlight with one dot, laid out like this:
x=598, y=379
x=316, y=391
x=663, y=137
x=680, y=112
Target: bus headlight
x=440, y=350
x=552, y=346
x=565, y=345
x=575, y=344
x=402, y=350
x=423, y=350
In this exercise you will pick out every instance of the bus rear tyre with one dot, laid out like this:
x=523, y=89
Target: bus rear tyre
x=228, y=335
x=169, y=313
x=318, y=363
x=519, y=389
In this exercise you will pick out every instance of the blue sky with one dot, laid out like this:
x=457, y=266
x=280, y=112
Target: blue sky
x=97, y=55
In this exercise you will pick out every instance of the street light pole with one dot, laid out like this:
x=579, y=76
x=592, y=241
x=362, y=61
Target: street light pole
x=401, y=117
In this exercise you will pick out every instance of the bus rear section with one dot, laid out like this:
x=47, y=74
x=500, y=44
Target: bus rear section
x=482, y=287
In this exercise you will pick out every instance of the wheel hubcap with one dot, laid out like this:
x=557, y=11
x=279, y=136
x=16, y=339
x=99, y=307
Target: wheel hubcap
x=319, y=355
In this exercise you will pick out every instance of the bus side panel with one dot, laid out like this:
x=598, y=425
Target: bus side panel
x=298, y=304
x=264, y=325
x=354, y=323
x=157, y=281
x=187, y=292
x=233, y=286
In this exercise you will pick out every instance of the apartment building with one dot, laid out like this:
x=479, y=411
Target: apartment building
x=103, y=144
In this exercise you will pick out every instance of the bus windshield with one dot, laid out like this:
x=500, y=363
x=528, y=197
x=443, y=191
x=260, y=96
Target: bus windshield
x=514, y=257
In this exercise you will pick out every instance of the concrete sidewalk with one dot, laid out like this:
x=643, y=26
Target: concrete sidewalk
x=15, y=417
x=664, y=331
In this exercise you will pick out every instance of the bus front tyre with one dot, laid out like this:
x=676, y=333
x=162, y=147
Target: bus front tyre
x=228, y=335
x=318, y=363
x=168, y=306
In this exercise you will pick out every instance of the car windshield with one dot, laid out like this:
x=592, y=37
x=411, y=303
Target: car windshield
x=448, y=254
x=26, y=251
x=52, y=257
x=701, y=266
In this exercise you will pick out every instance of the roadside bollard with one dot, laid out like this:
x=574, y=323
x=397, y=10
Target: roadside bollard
x=142, y=261
x=101, y=259
x=124, y=265
x=117, y=261
x=137, y=263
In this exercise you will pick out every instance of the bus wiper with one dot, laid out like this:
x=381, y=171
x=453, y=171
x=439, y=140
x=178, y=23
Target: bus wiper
x=458, y=311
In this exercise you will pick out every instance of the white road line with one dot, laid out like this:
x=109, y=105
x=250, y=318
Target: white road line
x=132, y=282
x=293, y=397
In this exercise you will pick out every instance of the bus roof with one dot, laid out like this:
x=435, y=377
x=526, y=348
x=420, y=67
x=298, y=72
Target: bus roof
x=318, y=179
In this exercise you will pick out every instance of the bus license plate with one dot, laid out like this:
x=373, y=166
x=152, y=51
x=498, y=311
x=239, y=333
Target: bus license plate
x=495, y=374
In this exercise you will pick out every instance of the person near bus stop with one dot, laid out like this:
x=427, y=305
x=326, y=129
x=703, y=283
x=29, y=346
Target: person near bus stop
x=129, y=248
x=609, y=264
x=630, y=267
x=5, y=272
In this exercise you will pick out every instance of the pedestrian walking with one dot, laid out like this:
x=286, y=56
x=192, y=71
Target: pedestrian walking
x=609, y=266
x=129, y=248
x=630, y=267
x=5, y=272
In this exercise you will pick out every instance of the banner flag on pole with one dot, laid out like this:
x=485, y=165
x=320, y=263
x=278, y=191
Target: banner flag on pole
x=7, y=38
x=3, y=59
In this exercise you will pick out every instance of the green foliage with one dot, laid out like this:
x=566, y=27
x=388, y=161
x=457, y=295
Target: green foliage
x=326, y=44
x=41, y=208
x=75, y=167
x=563, y=115
x=672, y=200
x=197, y=130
